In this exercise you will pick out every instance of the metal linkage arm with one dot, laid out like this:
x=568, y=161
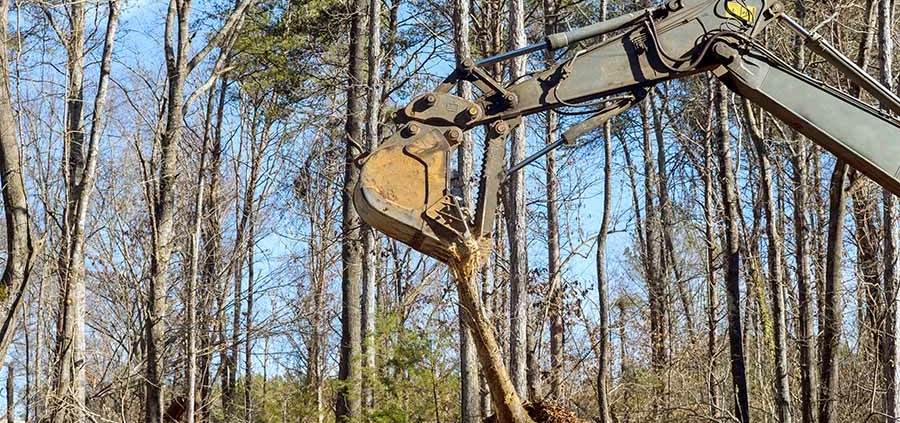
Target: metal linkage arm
x=856, y=132
x=659, y=44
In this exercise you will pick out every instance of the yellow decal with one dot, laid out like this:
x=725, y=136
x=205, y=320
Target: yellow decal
x=740, y=11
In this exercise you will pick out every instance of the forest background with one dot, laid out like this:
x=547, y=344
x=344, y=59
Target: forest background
x=181, y=244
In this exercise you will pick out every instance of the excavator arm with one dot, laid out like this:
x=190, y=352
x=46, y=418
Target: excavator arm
x=861, y=135
x=404, y=185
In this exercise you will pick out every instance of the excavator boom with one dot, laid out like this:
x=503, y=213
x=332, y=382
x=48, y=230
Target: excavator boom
x=404, y=187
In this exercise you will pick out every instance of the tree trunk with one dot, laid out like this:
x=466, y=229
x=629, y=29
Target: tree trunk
x=10, y=394
x=470, y=404
x=178, y=66
x=554, y=276
x=370, y=246
x=68, y=399
x=507, y=403
x=890, y=350
x=349, y=392
x=603, y=359
x=517, y=222
x=237, y=274
x=668, y=256
x=29, y=375
x=251, y=282
x=39, y=374
x=318, y=196
x=805, y=297
x=193, y=263
x=776, y=272
x=867, y=234
x=732, y=260
x=81, y=165
x=712, y=291
x=214, y=284
x=19, y=247
x=164, y=206
x=176, y=47
x=314, y=364
x=243, y=248
x=657, y=291
x=832, y=313
x=868, y=267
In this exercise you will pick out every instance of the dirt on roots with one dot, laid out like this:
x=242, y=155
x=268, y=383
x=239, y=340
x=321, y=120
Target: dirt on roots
x=546, y=412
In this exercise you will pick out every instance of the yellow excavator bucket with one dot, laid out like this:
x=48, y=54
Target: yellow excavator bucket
x=403, y=191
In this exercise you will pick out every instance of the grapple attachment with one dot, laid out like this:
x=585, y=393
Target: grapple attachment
x=403, y=190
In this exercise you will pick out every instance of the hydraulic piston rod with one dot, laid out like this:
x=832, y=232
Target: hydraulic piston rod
x=564, y=39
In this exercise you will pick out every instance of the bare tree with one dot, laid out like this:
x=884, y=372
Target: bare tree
x=10, y=394
x=776, y=272
x=732, y=259
x=177, y=45
x=193, y=259
x=164, y=206
x=802, y=196
x=831, y=332
x=657, y=292
x=81, y=169
x=805, y=298
x=20, y=247
x=603, y=359
x=349, y=393
x=370, y=247
x=517, y=221
x=712, y=291
x=259, y=139
x=318, y=192
x=890, y=350
x=470, y=409
x=214, y=284
x=552, y=11
x=669, y=263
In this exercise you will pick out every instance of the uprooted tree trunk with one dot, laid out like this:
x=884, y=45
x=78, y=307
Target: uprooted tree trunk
x=507, y=403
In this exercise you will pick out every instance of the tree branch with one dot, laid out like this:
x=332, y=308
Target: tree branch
x=232, y=24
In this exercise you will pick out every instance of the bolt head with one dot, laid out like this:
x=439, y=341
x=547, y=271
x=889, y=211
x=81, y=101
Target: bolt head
x=430, y=99
x=413, y=129
x=453, y=135
x=501, y=127
x=777, y=8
